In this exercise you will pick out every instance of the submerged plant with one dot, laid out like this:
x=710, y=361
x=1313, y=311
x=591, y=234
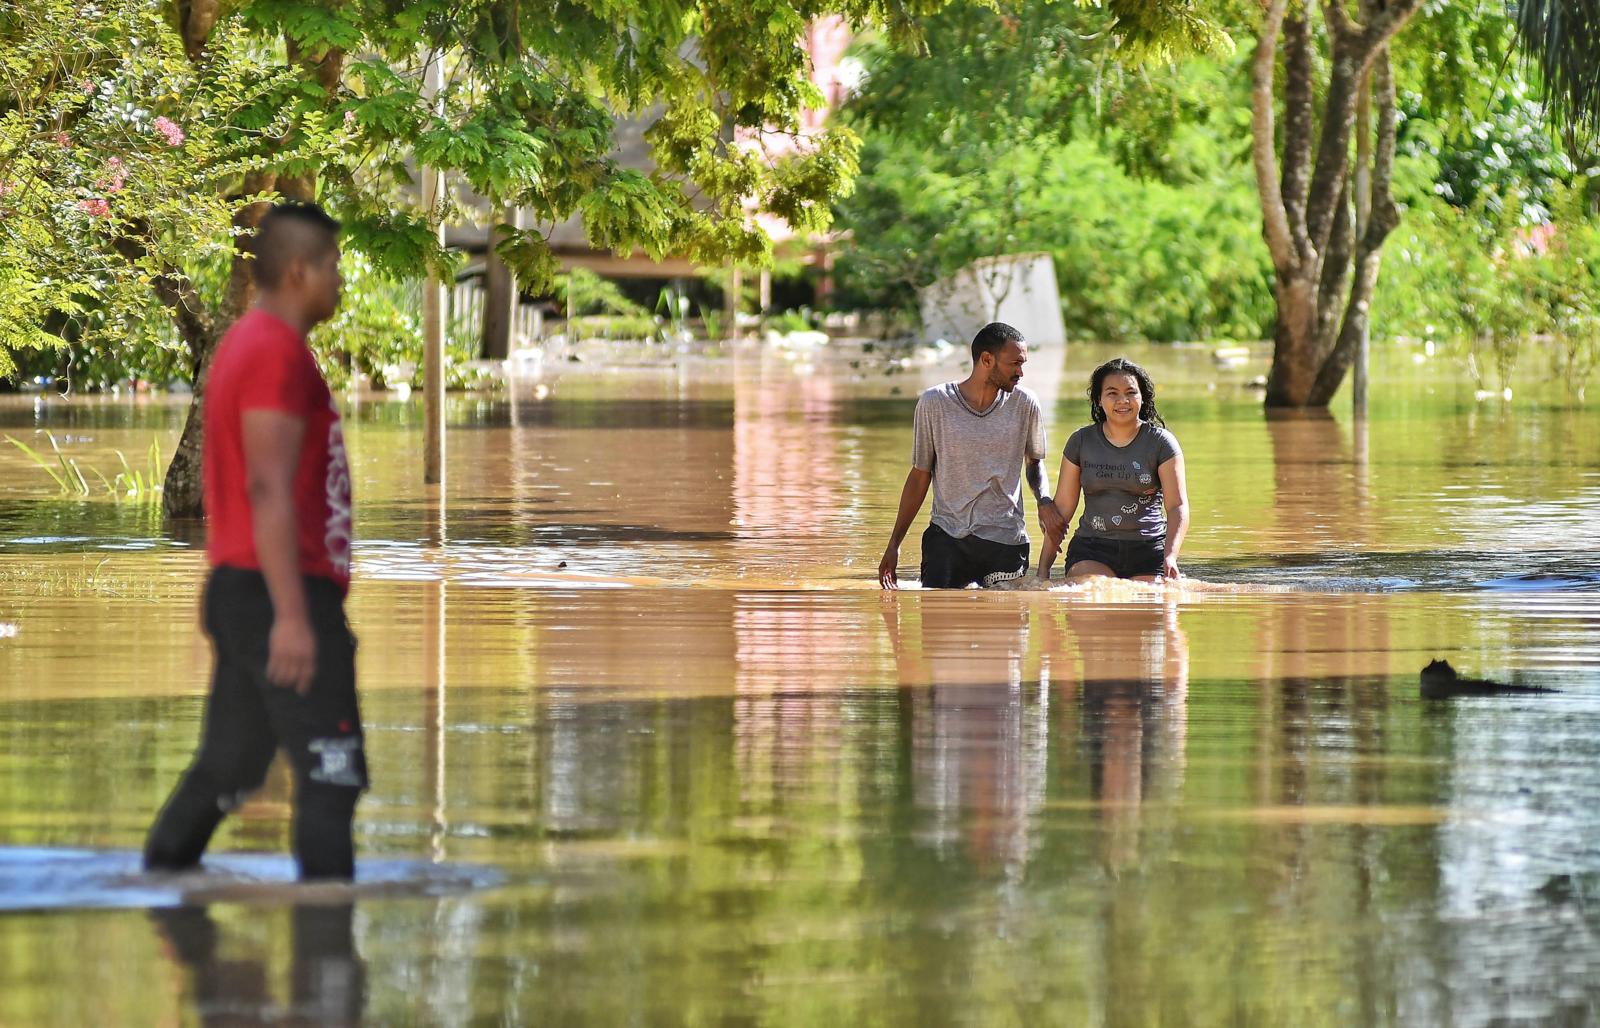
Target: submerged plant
x=128, y=484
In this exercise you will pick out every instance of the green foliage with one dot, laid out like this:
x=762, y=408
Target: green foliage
x=1561, y=39
x=615, y=326
x=711, y=318
x=378, y=326
x=1484, y=284
x=788, y=321
x=673, y=305
x=1171, y=253
x=66, y=475
x=96, y=197
x=1023, y=132
x=1470, y=121
x=581, y=291
x=303, y=97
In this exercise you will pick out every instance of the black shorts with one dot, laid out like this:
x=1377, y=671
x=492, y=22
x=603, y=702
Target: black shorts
x=951, y=563
x=1127, y=558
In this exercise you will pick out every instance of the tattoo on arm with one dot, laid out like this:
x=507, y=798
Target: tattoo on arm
x=1035, y=474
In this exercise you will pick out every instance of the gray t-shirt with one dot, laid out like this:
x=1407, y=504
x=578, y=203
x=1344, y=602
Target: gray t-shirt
x=976, y=460
x=1121, y=487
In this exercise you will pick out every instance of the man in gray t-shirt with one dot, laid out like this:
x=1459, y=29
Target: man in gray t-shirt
x=973, y=441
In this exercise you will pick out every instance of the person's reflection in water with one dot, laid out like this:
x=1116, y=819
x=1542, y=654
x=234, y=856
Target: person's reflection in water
x=978, y=732
x=1133, y=685
x=327, y=975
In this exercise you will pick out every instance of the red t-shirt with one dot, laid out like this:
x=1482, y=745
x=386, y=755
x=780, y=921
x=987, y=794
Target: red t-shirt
x=263, y=364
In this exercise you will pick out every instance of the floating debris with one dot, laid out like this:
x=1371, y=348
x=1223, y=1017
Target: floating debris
x=1441, y=682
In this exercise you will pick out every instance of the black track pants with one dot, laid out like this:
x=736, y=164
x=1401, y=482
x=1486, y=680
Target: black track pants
x=248, y=719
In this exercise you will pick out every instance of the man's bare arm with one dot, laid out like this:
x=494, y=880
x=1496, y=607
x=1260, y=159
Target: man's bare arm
x=272, y=455
x=911, y=497
x=1033, y=471
x=1050, y=521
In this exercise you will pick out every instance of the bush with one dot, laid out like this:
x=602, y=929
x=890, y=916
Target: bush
x=1135, y=258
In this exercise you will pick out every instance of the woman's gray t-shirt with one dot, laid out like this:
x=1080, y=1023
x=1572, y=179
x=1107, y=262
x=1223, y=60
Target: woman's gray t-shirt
x=1121, y=485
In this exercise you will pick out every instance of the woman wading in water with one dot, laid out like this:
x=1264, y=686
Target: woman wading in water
x=1130, y=471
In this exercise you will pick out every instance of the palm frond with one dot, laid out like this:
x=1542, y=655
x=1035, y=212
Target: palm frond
x=1560, y=43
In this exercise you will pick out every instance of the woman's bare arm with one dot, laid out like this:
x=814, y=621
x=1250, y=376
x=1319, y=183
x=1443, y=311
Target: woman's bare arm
x=1175, y=492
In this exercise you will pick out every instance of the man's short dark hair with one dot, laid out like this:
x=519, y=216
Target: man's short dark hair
x=992, y=338
x=291, y=231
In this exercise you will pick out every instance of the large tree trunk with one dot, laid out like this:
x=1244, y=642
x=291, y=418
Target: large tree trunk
x=1324, y=275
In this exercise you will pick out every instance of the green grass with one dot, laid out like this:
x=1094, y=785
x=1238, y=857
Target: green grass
x=130, y=483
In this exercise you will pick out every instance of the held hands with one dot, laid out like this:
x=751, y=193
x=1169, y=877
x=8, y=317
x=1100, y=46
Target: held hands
x=291, y=654
x=1051, y=523
x=889, y=568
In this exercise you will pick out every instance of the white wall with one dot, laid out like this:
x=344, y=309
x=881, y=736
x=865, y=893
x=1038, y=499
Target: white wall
x=1018, y=289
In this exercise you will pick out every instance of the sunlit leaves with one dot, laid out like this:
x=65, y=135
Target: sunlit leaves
x=399, y=244
x=528, y=255
x=314, y=25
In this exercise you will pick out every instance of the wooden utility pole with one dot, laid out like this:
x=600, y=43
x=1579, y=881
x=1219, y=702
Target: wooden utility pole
x=433, y=299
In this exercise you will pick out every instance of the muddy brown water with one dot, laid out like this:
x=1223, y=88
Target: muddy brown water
x=649, y=745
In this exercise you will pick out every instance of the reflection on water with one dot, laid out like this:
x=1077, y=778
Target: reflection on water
x=327, y=978
x=739, y=783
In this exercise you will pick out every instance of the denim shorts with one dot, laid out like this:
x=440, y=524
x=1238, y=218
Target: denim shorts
x=1127, y=558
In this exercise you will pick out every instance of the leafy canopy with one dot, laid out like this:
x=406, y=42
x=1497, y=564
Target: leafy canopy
x=326, y=98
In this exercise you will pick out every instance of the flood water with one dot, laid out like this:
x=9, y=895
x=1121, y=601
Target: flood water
x=649, y=745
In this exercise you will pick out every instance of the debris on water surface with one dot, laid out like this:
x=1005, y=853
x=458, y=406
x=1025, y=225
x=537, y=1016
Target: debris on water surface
x=1441, y=682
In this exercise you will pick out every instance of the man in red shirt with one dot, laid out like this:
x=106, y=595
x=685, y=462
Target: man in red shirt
x=277, y=495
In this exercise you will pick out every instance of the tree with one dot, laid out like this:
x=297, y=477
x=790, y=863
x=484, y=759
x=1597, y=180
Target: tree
x=974, y=147
x=324, y=100
x=86, y=152
x=1324, y=221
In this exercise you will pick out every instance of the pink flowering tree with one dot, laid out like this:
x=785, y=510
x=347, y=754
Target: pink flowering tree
x=85, y=167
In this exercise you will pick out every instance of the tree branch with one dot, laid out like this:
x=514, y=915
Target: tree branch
x=1333, y=148
x=1337, y=18
x=1298, y=128
x=1383, y=25
x=173, y=288
x=1263, y=144
x=1385, y=216
x=1332, y=286
x=241, y=281
x=1382, y=221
